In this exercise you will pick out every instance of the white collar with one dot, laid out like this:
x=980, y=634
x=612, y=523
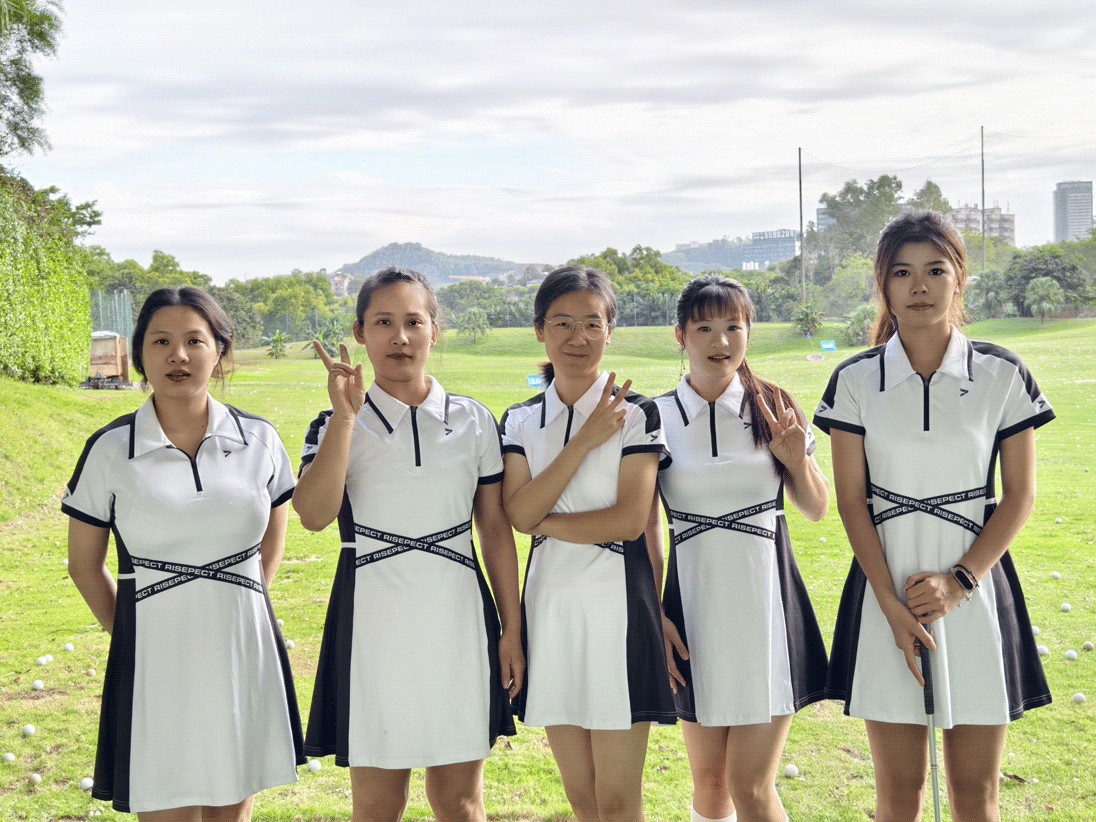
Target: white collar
x=691, y=404
x=391, y=411
x=148, y=435
x=553, y=405
x=895, y=365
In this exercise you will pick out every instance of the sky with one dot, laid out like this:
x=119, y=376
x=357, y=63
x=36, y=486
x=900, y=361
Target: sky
x=249, y=139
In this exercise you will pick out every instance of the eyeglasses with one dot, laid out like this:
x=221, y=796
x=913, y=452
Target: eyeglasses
x=562, y=327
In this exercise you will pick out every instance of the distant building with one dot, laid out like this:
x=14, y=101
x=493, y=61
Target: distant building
x=822, y=219
x=339, y=284
x=998, y=223
x=767, y=247
x=1072, y=210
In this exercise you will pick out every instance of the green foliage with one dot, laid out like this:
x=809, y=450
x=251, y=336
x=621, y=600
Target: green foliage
x=807, y=319
x=1043, y=296
x=857, y=329
x=986, y=295
x=998, y=252
x=859, y=214
x=329, y=335
x=246, y=322
x=295, y=304
x=103, y=274
x=276, y=344
x=45, y=313
x=851, y=286
x=473, y=323
x=27, y=28
x=1053, y=261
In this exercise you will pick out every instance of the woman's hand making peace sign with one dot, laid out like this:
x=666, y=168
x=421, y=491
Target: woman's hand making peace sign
x=789, y=438
x=345, y=382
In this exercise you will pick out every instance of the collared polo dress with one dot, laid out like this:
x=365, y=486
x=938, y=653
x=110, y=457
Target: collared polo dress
x=409, y=673
x=591, y=627
x=198, y=703
x=733, y=588
x=931, y=448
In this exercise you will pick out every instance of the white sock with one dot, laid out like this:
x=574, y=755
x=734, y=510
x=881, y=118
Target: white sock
x=698, y=818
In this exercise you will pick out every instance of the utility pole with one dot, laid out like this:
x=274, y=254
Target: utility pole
x=802, y=236
x=983, y=130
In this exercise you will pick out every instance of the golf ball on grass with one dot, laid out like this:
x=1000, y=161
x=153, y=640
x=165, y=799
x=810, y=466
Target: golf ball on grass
x=69, y=646
x=9, y=757
x=1036, y=630
x=87, y=783
x=1071, y=654
x=1058, y=521
x=1066, y=607
x=1088, y=646
x=1044, y=650
x=38, y=685
x=289, y=644
x=791, y=772
x=49, y=658
x=1079, y=699
x=34, y=779
x=42, y=660
x=1055, y=575
x=281, y=623
x=28, y=730
x=315, y=765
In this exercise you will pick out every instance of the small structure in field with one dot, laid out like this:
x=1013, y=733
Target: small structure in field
x=109, y=361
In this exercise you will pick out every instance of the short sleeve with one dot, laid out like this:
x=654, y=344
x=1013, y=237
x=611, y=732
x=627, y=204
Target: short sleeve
x=282, y=482
x=839, y=407
x=643, y=432
x=1024, y=405
x=88, y=496
x=312, y=439
x=489, y=448
x=511, y=431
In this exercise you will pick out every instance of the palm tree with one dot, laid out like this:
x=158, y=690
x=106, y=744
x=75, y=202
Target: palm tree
x=1043, y=296
x=474, y=322
x=807, y=319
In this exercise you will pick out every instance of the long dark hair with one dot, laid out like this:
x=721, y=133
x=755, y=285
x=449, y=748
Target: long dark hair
x=715, y=296
x=564, y=281
x=200, y=302
x=917, y=227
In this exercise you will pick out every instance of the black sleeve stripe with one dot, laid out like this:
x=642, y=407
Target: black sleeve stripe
x=826, y=424
x=991, y=350
x=513, y=449
x=126, y=419
x=1031, y=422
x=644, y=449
x=491, y=479
x=830, y=394
x=80, y=515
x=283, y=499
x=649, y=408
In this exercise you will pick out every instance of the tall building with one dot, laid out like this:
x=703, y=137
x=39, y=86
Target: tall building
x=767, y=247
x=1073, y=210
x=998, y=223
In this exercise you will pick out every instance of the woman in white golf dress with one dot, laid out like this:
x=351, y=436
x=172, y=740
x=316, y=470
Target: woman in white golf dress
x=918, y=424
x=413, y=672
x=744, y=648
x=581, y=460
x=198, y=712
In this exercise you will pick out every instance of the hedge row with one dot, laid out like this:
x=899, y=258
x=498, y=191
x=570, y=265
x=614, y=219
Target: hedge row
x=45, y=310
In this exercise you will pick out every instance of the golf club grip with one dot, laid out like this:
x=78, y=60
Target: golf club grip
x=926, y=672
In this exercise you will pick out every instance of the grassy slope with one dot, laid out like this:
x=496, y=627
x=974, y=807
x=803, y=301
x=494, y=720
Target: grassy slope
x=43, y=430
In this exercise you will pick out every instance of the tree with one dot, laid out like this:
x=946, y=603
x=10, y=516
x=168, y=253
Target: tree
x=472, y=322
x=277, y=343
x=987, y=294
x=859, y=213
x=246, y=322
x=808, y=319
x=1043, y=296
x=1051, y=261
x=27, y=28
x=851, y=285
x=929, y=197
x=858, y=326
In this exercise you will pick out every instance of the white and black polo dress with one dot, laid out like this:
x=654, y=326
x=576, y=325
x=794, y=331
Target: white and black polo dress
x=409, y=673
x=931, y=448
x=198, y=704
x=733, y=588
x=591, y=624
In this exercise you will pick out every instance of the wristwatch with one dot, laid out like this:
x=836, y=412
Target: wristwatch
x=964, y=578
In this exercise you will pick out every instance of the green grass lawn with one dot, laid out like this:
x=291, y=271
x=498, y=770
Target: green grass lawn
x=42, y=430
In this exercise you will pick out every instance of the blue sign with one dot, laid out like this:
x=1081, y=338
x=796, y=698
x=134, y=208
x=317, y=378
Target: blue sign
x=536, y=381
x=829, y=345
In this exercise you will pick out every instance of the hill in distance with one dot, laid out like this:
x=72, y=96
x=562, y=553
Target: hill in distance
x=438, y=267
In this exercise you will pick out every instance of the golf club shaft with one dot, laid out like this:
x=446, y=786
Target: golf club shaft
x=930, y=712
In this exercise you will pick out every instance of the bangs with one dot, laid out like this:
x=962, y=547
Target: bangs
x=717, y=300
